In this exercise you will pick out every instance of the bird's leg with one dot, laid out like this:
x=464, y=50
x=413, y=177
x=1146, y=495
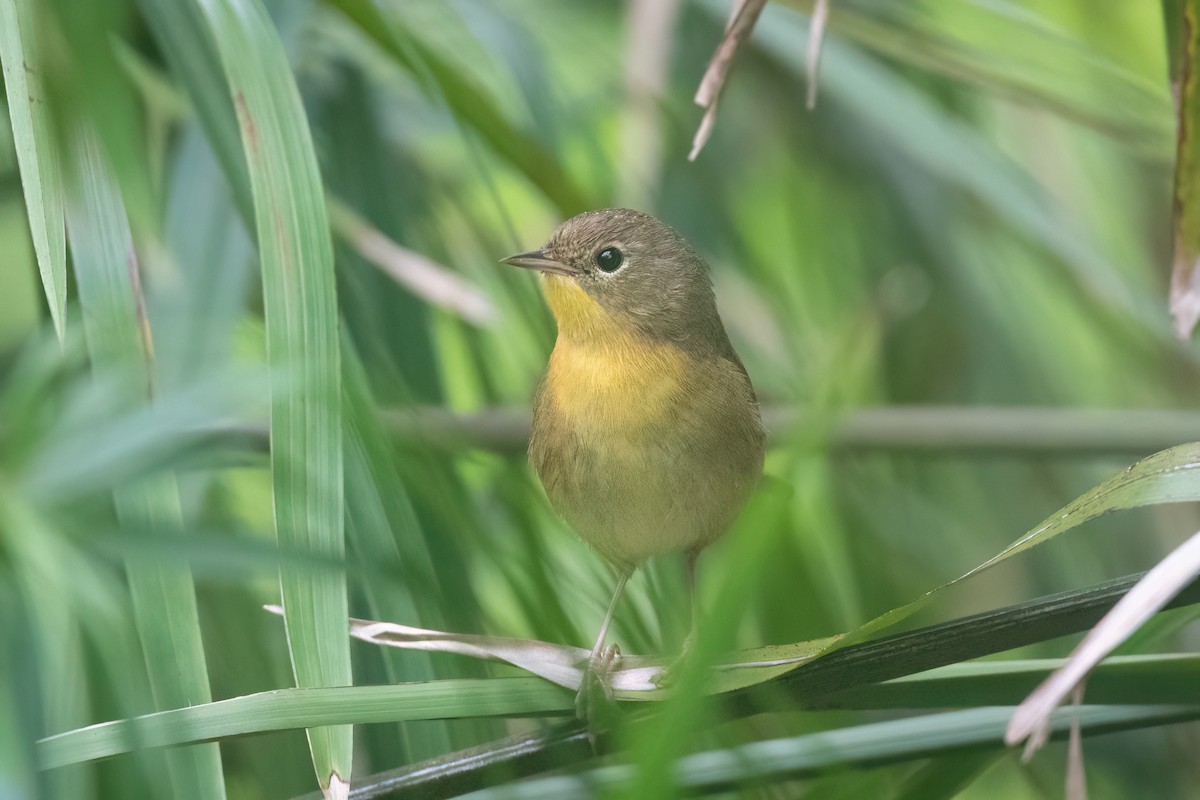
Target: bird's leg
x=693, y=606
x=595, y=689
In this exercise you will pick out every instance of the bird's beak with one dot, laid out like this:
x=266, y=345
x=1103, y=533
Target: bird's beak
x=537, y=259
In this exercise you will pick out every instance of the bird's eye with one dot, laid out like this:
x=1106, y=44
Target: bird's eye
x=610, y=259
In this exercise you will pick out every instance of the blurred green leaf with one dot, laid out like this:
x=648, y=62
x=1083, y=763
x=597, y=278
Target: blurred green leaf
x=36, y=151
x=1005, y=48
x=384, y=533
x=945, y=776
x=187, y=44
x=948, y=148
x=302, y=345
x=471, y=106
x=44, y=660
x=118, y=336
x=87, y=82
x=1170, y=476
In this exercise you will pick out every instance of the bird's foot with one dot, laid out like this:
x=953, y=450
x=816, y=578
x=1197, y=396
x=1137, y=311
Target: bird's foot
x=671, y=673
x=595, y=703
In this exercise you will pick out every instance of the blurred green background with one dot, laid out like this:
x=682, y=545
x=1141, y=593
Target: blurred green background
x=977, y=213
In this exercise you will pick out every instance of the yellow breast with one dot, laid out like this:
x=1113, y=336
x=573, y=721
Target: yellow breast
x=604, y=375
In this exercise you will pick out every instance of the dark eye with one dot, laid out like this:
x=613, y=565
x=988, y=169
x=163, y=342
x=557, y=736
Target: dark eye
x=610, y=259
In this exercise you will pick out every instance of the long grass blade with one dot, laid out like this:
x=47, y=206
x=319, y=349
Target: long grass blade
x=36, y=152
x=846, y=679
x=858, y=746
x=286, y=709
x=164, y=599
x=302, y=345
x=850, y=678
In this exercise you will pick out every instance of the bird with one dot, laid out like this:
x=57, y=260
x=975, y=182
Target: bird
x=647, y=435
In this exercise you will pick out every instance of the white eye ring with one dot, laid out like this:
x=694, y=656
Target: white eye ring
x=610, y=259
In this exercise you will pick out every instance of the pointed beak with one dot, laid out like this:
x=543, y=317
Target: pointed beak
x=537, y=259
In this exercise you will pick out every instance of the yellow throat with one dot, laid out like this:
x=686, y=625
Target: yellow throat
x=604, y=374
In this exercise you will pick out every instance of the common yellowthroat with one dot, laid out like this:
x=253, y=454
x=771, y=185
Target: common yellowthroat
x=646, y=430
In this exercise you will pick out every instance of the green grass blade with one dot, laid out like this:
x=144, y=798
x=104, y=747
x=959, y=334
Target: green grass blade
x=164, y=598
x=302, y=345
x=36, y=152
x=860, y=746
x=1148, y=680
x=285, y=709
x=845, y=683
x=846, y=677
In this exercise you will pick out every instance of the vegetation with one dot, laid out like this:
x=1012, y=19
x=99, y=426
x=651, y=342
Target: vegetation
x=256, y=347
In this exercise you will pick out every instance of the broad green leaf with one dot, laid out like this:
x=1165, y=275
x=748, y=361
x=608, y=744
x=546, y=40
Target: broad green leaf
x=302, y=346
x=118, y=337
x=36, y=151
x=195, y=317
